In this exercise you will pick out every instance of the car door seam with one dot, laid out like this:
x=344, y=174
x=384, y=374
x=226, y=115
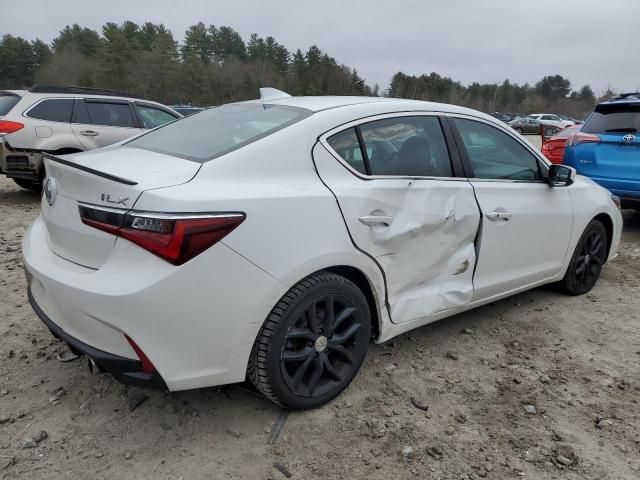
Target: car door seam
x=384, y=277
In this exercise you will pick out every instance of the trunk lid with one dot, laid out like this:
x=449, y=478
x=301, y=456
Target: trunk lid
x=113, y=177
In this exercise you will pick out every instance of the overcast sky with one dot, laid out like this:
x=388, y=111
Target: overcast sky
x=588, y=41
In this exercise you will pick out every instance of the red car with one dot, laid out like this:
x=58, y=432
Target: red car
x=553, y=148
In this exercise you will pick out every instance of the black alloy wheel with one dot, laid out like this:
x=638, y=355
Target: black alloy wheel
x=313, y=342
x=321, y=345
x=587, y=261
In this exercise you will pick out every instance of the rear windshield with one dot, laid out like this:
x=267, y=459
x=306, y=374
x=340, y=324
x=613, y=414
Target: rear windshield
x=7, y=102
x=613, y=118
x=219, y=130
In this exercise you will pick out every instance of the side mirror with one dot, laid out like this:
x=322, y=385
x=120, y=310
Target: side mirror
x=561, y=175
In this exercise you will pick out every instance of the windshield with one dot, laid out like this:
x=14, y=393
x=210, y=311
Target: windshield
x=614, y=118
x=219, y=130
x=7, y=102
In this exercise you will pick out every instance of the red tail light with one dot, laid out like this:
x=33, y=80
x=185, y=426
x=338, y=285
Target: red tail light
x=582, y=137
x=147, y=366
x=176, y=238
x=7, y=127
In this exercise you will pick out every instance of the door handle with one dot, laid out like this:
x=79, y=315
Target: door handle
x=372, y=220
x=89, y=133
x=495, y=216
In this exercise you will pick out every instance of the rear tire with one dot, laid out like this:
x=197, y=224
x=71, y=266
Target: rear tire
x=29, y=184
x=587, y=260
x=313, y=342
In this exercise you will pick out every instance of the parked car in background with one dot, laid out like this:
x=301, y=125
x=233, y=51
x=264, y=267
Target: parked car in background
x=607, y=148
x=528, y=126
x=553, y=148
x=186, y=110
x=64, y=120
x=551, y=119
x=571, y=119
x=296, y=230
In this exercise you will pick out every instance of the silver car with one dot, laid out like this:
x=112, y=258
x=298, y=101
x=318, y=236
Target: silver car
x=63, y=120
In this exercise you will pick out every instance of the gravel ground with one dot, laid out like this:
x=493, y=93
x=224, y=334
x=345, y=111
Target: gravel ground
x=540, y=386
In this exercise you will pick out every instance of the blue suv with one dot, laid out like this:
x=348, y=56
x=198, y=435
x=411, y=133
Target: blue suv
x=607, y=147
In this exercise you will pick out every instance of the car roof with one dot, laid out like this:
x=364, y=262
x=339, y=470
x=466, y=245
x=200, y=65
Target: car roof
x=623, y=99
x=323, y=103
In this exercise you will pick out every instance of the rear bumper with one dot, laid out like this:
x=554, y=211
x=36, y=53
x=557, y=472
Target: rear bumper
x=125, y=370
x=19, y=164
x=196, y=323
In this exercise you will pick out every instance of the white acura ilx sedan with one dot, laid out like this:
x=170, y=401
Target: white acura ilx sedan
x=275, y=239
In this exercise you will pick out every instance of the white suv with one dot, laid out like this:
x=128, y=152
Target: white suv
x=63, y=120
x=551, y=119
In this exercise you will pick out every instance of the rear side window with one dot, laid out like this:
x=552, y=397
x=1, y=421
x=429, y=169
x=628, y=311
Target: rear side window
x=7, y=102
x=104, y=113
x=614, y=118
x=153, y=117
x=407, y=146
x=346, y=145
x=53, y=110
x=217, y=131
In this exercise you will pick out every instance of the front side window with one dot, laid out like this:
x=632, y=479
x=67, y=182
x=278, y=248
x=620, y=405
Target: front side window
x=217, y=131
x=494, y=154
x=104, y=113
x=153, y=117
x=54, y=110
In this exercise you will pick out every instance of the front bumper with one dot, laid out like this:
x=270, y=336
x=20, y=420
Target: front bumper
x=125, y=370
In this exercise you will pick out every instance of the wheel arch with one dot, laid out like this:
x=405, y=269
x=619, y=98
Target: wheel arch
x=361, y=281
x=606, y=220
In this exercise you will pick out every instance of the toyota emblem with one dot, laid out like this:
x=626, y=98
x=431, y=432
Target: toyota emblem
x=628, y=138
x=50, y=190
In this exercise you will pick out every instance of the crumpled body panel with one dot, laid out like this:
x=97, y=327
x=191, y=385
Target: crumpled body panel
x=426, y=250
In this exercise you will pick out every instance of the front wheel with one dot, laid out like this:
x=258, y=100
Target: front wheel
x=587, y=260
x=520, y=131
x=313, y=342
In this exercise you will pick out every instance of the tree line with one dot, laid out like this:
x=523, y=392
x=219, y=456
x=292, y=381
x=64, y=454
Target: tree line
x=552, y=93
x=214, y=65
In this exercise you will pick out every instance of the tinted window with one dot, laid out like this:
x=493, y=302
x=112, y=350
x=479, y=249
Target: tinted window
x=217, y=131
x=55, y=110
x=614, y=118
x=494, y=154
x=7, y=102
x=347, y=146
x=153, y=117
x=407, y=146
x=109, y=114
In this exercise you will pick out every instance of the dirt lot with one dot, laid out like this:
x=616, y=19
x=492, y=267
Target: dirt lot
x=539, y=386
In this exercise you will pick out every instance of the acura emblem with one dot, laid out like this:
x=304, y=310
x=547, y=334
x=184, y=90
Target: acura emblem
x=50, y=190
x=628, y=138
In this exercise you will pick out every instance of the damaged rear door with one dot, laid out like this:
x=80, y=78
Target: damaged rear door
x=405, y=207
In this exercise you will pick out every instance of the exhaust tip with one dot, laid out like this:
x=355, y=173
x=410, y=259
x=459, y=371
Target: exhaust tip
x=94, y=368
